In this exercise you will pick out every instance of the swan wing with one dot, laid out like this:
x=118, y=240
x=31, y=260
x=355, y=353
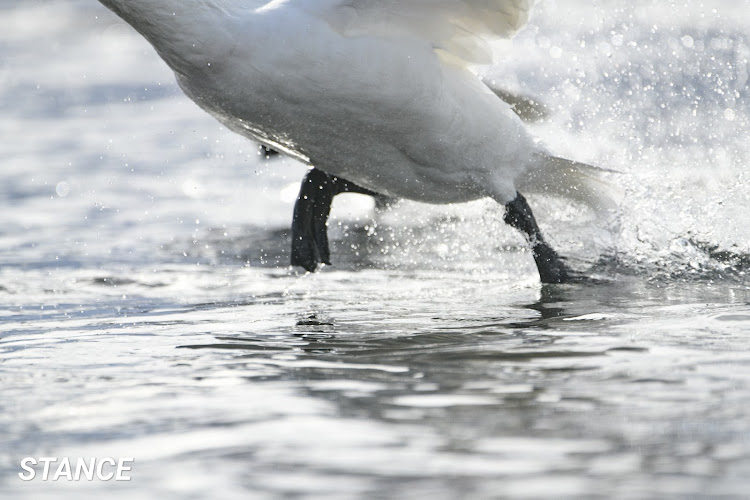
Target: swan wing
x=462, y=31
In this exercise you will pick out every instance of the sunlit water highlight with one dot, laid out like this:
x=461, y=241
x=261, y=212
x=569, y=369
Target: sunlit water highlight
x=147, y=311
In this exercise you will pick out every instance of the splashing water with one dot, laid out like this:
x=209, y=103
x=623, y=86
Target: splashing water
x=659, y=93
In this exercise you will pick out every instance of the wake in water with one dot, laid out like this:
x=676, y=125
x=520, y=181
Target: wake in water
x=685, y=260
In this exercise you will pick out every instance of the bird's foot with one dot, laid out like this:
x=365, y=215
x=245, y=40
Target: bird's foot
x=305, y=253
x=552, y=268
x=310, y=221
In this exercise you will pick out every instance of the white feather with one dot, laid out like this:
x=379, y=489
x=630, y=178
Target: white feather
x=375, y=91
x=461, y=30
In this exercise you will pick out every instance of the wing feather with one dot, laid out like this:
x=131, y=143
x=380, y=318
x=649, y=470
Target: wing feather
x=462, y=30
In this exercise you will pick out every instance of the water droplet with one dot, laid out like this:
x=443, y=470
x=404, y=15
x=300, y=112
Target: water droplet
x=62, y=189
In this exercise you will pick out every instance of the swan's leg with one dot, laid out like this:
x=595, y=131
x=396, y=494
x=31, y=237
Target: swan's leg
x=304, y=250
x=552, y=269
x=310, y=220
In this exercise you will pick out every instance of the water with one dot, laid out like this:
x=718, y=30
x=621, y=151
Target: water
x=146, y=309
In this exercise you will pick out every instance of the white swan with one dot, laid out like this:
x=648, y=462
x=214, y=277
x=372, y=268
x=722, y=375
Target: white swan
x=377, y=92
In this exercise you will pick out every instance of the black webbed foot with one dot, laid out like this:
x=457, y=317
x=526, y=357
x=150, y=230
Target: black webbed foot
x=310, y=220
x=552, y=267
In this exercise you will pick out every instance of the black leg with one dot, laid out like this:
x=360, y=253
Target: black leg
x=310, y=220
x=551, y=267
x=304, y=250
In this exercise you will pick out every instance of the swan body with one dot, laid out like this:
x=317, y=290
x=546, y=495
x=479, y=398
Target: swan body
x=379, y=93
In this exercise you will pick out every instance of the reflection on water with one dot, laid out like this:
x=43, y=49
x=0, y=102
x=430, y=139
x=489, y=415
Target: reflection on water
x=467, y=388
x=146, y=309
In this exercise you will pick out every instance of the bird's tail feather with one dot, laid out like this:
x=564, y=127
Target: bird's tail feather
x=572, y=180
